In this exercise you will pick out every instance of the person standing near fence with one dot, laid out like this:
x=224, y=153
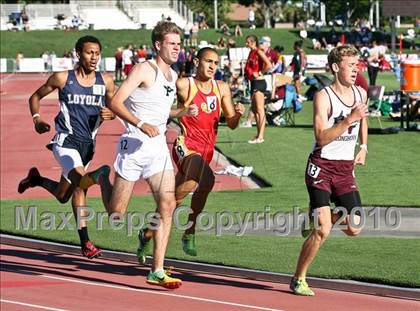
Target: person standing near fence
x=256, y=66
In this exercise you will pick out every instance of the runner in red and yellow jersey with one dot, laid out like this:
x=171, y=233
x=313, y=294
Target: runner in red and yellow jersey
x=198, y=135
x=194, y=147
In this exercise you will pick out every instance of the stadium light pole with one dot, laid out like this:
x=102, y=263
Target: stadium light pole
x=215, y=15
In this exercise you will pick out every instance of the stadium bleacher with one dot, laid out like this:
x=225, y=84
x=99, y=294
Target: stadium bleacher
x=148, y=13
x=6, y=10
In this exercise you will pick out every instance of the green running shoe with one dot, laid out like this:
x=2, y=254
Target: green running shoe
x=160, y=278
x=300, y=287
x=143, y=248
x=103, y=170
x=188, y=244
x=92, y=178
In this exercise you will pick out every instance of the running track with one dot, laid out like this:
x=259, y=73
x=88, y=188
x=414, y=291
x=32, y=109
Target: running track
x=22, y=147
x=34, y=279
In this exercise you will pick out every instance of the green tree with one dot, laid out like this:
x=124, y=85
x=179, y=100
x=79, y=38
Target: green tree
x=347, y=8
x=266, y=9
x=207, y=6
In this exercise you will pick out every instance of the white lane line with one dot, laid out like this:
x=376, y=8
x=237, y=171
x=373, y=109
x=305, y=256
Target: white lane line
x=6, y=78
x=30, y=305
x=162, y=293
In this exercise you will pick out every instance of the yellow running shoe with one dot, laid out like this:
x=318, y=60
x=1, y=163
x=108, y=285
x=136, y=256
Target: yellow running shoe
x=300, y=287
x=160, y=278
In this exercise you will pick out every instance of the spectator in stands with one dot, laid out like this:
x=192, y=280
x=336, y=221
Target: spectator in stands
x=127, y=56
x=76, y=21
x=256, y=66
x=373, y=63
x=238, y=31
x=194, y=34
x=118, y=63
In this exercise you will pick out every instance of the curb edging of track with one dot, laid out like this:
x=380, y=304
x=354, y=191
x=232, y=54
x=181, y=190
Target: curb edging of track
x=332, y=284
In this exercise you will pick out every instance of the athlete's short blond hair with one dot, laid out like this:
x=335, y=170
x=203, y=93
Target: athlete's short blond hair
x=337, y=54
x=163, y=28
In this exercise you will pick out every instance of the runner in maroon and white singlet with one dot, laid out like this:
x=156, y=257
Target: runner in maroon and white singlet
x=340, y=114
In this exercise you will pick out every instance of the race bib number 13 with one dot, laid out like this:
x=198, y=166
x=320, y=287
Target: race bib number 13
x=313, y=170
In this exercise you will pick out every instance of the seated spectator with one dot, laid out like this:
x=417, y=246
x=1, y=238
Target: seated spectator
x=413, y=107
x=414, y=98
x=225, y=29
x=231, y=43
x=280, y=66
x=238, y=31
x=316, y=45
x=221, y=44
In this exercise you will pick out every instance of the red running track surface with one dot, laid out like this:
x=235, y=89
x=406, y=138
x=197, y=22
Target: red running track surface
x=22, y=147
x=65, y=282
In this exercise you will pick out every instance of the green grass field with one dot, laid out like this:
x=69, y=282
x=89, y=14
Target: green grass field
x=389, y=178
x=34, y=43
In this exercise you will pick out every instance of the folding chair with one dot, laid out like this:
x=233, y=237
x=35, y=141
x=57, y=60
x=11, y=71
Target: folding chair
x=376, y=92
x=280, y=111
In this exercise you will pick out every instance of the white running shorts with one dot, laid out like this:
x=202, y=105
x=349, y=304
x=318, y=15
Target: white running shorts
x=141, y=156
x=68, y=159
